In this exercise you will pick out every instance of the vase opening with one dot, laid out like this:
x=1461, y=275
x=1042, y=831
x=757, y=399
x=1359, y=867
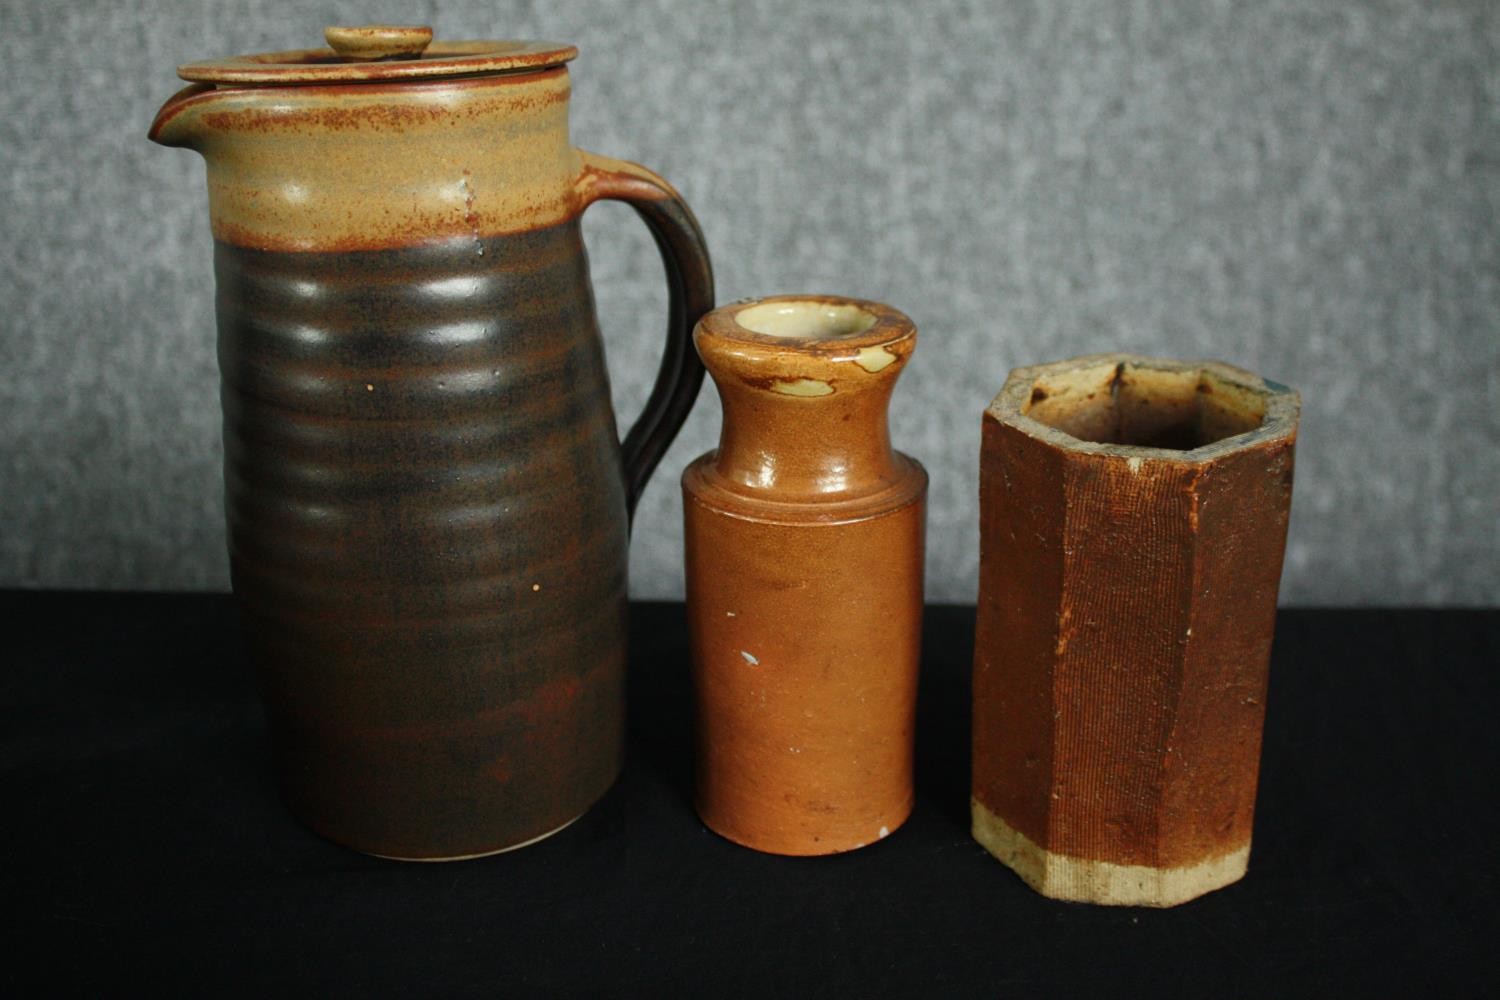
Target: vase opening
x=1141, y=406
x=805, y=319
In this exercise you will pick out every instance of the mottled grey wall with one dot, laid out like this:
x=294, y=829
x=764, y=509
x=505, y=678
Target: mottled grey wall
x=1307, y=189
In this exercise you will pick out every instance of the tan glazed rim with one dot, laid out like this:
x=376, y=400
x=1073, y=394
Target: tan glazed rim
x=1248, y=408
x=407, y=55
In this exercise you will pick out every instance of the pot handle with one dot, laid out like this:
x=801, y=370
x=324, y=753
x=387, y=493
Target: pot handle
x=691, y=283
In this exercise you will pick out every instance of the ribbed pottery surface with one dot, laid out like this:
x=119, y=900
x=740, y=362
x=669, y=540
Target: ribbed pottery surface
x=427, y=534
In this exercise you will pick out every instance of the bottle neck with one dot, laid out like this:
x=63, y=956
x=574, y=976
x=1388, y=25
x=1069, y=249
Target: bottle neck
x=794, y=447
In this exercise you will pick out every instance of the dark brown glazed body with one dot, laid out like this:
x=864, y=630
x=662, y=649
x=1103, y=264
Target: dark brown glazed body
x=427, y=533
x=428, y=504
x=1127, y=605
x=804, y=546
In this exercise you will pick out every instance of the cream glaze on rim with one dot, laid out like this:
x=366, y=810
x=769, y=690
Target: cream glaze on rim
x=830, y=327
x=805, y=319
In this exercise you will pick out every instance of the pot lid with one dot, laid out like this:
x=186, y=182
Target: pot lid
x=379, y=53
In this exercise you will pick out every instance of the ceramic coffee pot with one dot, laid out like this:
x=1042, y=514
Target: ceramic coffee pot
x=428, y=505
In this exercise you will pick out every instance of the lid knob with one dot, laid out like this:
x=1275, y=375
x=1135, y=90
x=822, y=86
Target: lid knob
x=374, y=42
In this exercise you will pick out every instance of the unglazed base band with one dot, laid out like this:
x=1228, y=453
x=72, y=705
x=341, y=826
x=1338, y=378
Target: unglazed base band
x=1080, y=880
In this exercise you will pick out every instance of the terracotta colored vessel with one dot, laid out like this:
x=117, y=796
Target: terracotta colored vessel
x=1133, y=515
x=427, y=501
x=804, y=578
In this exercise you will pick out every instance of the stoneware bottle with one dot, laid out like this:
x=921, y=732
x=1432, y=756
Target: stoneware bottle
x=804, y=535
x=1133, y=515
x=427, y=501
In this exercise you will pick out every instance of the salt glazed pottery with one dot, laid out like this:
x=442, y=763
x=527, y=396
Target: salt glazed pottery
x=1133, y=515
x=427, y=501
x=804, y=545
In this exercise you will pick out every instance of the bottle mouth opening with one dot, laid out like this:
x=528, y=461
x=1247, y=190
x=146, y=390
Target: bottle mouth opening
x=805, y=319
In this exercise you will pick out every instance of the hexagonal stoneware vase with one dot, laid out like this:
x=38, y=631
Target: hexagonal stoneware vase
x=1133, y=515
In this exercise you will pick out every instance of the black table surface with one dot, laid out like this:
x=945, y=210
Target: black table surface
x=145, y=844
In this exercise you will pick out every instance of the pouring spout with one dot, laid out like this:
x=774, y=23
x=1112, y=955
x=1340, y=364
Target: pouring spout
x=177, y=123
